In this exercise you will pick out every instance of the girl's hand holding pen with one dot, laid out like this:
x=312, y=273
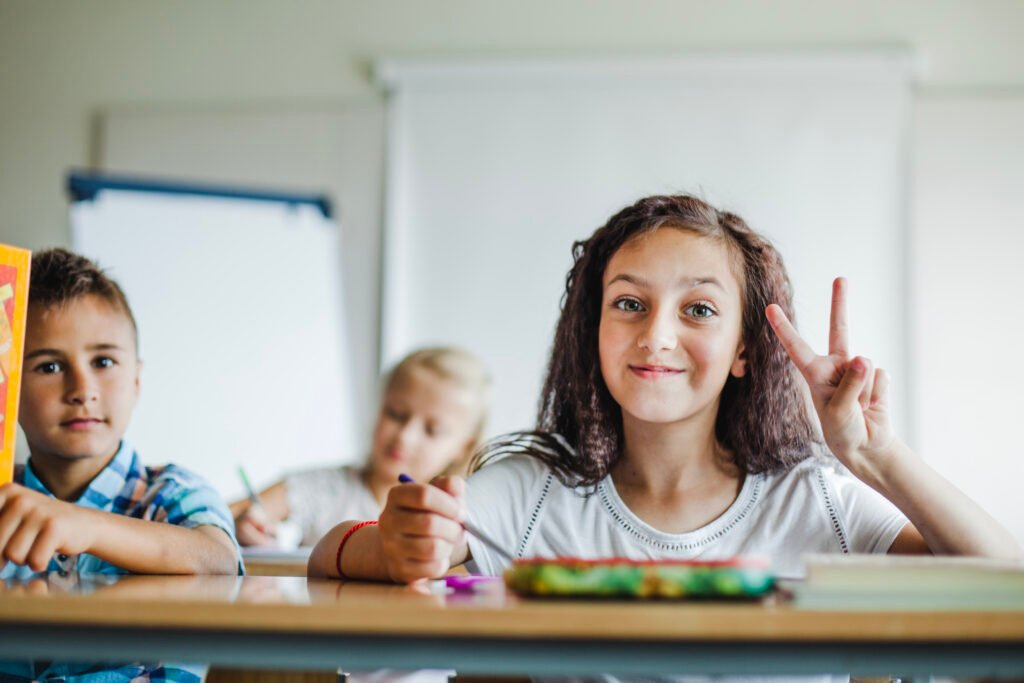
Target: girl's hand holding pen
x=421, y=529
x=254, y=527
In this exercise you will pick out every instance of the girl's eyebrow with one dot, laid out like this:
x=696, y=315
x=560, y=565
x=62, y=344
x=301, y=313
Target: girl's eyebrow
x=698, y=281
x=685, y=282
x=631, y=279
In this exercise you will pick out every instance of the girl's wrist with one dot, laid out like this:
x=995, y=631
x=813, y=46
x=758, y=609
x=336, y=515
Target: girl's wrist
x=887, y=469
x=345, y=537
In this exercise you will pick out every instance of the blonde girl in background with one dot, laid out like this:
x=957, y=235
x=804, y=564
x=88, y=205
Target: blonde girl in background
x=432, y=417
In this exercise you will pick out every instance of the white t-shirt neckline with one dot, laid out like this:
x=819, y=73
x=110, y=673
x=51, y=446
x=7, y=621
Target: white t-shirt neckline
x=650, y=536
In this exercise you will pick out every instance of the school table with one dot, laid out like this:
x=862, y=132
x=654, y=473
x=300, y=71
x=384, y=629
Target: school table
x=270, y=562
x=295, y=623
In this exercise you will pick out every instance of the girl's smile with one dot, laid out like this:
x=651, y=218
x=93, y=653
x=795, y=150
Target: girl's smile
x=655, y=372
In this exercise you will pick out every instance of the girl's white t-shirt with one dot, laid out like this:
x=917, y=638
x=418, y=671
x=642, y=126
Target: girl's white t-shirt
x=319, y=499
x=812, y=508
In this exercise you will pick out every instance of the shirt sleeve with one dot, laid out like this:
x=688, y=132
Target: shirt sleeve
x=181, y=497
x=500, y=498
x=872, y=522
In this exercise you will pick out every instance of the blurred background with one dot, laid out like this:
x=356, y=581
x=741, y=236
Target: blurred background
x=464, y=145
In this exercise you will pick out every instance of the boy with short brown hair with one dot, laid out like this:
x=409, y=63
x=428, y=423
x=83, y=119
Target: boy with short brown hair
x=84, y=502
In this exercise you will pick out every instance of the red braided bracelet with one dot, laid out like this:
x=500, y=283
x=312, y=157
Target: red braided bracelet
x=344, y=539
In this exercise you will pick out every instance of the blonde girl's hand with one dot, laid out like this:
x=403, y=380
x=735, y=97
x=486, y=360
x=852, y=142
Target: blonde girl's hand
x=850, y=396
x=254, y=527
x=421, y=530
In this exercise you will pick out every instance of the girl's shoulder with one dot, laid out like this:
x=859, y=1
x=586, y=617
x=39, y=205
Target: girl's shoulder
x=511, y=470
x=861, y=519
x=819, y=478
x=524, y=461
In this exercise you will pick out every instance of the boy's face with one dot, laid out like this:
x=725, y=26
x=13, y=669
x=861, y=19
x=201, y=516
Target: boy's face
x=81, y=379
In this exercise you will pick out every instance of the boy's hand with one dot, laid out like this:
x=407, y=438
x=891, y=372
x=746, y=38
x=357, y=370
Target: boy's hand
x=33, y=527
x=421, y=530
x=850, y=397
x=254, y=527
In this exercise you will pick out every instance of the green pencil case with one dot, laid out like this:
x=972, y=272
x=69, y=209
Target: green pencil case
x=737, y=578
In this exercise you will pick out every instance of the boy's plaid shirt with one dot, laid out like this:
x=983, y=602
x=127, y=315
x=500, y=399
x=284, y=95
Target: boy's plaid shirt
x=168, y=494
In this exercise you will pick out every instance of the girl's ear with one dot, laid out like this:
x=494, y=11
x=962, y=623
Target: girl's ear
x=739, y=364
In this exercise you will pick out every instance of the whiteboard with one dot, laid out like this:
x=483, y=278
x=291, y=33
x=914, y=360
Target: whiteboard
x=496, y=167
x=242, y=329
x=335, y=148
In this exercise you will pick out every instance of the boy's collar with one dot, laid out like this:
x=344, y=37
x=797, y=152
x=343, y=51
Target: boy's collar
x=110, y=478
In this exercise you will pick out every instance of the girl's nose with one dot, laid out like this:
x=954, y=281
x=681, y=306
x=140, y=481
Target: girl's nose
x=659, y=332
x=409, y=433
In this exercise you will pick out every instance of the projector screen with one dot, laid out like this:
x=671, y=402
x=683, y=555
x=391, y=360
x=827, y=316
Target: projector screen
x=495, y=168
x=241, y=326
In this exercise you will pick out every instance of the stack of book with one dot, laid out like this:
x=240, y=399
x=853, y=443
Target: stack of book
x=909, y=582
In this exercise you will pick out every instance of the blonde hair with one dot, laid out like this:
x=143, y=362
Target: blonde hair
x=458, y=366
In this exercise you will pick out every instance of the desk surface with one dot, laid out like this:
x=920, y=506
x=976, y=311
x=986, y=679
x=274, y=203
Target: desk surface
x=262, y=562
x=291, y=621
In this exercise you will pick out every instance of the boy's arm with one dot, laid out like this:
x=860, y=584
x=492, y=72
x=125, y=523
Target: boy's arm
x=34, y=527
x=146, y=547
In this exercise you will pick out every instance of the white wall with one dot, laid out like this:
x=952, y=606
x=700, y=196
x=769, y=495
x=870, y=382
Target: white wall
x=967, y=235
x=337, y=150
x=64, y=62
x=496, y=168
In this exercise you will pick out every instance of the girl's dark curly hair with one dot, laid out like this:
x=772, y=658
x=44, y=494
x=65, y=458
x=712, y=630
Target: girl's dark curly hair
x=763, y=420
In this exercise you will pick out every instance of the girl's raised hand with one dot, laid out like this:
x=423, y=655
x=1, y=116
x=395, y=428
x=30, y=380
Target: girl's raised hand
x=421, y=531
x=850, y=397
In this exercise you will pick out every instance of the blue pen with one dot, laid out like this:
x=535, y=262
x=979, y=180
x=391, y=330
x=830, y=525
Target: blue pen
x=471, y=528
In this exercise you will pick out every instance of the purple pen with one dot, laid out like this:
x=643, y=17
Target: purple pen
x=469, y=582
x=471, y=528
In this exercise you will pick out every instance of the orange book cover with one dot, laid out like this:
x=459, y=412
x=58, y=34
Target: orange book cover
x=14, y=267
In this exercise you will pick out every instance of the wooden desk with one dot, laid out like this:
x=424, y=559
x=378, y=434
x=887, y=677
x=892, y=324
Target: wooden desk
x=261, y=562
x=292, y=623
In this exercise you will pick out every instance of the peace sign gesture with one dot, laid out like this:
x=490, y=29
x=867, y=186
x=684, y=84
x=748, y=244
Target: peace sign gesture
x=850, y=397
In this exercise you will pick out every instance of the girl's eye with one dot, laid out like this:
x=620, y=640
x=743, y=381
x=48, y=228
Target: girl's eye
x=396, y=415
x=435, y=430
x=104, y=362
x=48, y=368
x=628, y=305
x=700, y=310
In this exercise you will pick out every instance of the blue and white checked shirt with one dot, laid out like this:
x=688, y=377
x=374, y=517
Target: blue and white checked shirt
x=168, y=494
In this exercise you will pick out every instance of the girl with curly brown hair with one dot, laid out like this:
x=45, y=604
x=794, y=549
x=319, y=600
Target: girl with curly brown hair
x=672, y=424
